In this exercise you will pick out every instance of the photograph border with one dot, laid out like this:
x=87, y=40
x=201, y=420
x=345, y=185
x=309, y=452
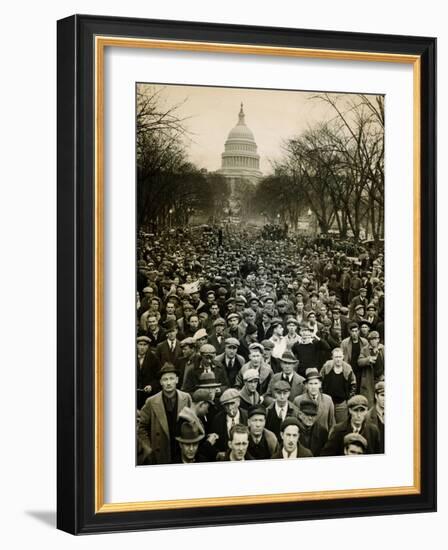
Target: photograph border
x=81, y=45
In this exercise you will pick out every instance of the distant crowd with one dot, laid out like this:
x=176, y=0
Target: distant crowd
x=257, y=346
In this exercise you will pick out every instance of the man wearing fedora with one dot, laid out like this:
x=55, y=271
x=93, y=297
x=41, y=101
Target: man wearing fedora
x=159, y=416
x=169, y=350
x=313, y=392
x=263, y=443
x=356, y=423
x=290, y=440
x=188, y=438
x=288, y=364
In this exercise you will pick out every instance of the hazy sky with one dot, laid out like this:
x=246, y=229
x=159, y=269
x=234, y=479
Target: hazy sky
x=272, y=116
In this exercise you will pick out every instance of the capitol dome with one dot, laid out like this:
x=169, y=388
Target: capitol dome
x=240, y=158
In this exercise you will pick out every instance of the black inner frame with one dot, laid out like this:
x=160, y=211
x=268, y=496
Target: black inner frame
x=76, y=263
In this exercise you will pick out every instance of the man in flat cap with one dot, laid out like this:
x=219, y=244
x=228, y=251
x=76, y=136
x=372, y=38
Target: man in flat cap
x=249, y=395
x=270, y=361
x=255, y=362
x=207, y=354
x=230, y=360
x=265, y=328
x=169, y=350
x=233, y=320
x=288, y=364
x=289, y=437
x=356, y=423
x=360, y=299
x=313, y=435
x=313, y=392
x=354, y=444
x=159, y=416
x=217, y=337
x=371, y=366
x=277, y=411
x=189, y=357
x=376, y=413
x=352, y=347
x=230, y=415
x=148, y=367
x=262, y=442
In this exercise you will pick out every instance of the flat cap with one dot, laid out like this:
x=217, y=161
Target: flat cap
x=276, y=321
x=188, y=341
x=359, y=306
x=240, y=300
x=231, y=394
x=292, y=320
x=143, y=339
x=148, y=290
x=371, y=306
x=232, y=342
x=309, y=407
x=256, y=409
x=256, y=345
x=268, y=344
x=356, y=439
x=201, y=333
x=251, y=329
x=380, y=387
x=233, y=316
x=251, y=374
x=207, y=349
x=281, y=385
x=373, y=334
x=289, y=421
x=358, y=401
x=219, y=322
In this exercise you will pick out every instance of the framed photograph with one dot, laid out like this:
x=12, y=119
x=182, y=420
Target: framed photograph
x=246, y=222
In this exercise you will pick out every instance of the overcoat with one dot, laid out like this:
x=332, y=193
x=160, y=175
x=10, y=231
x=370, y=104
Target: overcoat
x=153, y=430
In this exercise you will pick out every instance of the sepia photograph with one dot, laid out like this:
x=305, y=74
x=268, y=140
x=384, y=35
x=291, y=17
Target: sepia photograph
x=260, y=274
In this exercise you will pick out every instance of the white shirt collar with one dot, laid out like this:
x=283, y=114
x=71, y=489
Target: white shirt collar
x=292, y=455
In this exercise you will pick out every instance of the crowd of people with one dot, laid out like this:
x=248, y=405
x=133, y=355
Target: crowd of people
x=250, y=348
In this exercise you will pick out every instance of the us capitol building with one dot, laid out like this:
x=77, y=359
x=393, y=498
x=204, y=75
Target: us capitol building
x=240, y=160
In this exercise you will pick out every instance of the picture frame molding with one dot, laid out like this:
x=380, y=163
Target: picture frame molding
x=81, y=43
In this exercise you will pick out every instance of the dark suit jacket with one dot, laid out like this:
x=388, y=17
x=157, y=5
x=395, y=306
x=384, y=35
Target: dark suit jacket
x=317, y=438
x=147, y=375
x=335, y=443
x=165, y=354
x=273, y=422
x=237, y=364
x=302, y=452
x=213, y=340
x=219, y=426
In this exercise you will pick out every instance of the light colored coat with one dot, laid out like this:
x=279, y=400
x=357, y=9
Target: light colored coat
x=325, y=409
x=153, y=430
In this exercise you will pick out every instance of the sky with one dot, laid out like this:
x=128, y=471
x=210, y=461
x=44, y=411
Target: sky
x=272, y=115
